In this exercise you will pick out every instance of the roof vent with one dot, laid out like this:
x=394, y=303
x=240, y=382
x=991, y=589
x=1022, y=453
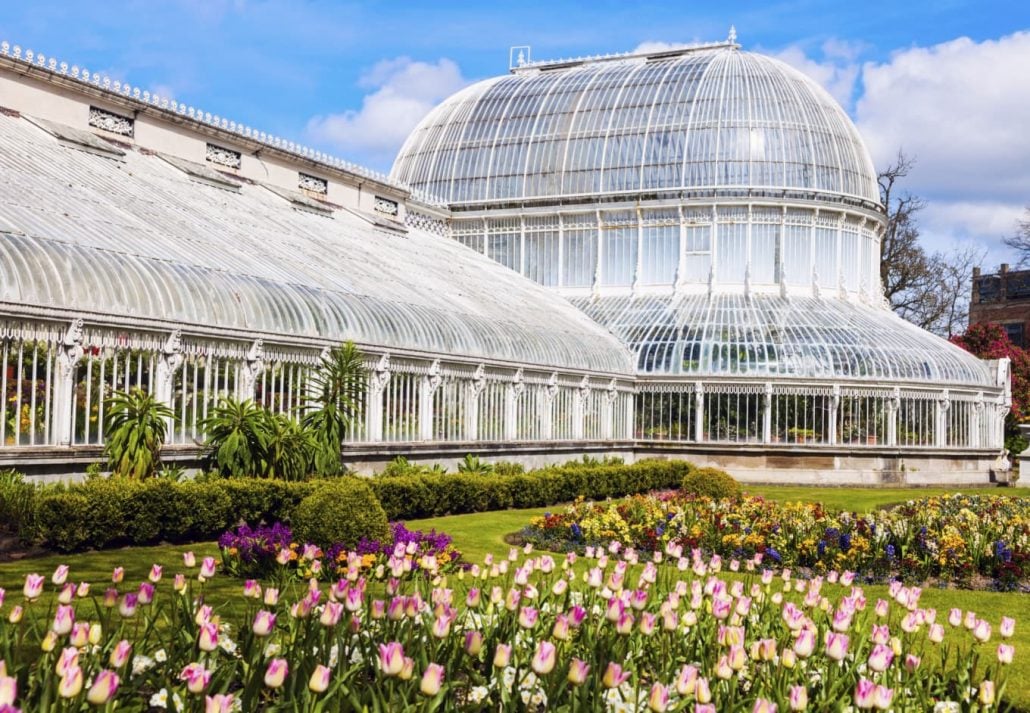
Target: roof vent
x=223, y=156
x=313, y=184
x=301, y=202
x=202, y=174
x=78, y=138
x=111, y=122
x=386, y=206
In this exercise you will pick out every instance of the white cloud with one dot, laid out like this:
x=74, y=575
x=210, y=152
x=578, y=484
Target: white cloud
x=961, y=108
x=836, y=73
x=655, y=46
x=402, y=93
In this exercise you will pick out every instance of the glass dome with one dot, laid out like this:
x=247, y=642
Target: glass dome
x=714, y=121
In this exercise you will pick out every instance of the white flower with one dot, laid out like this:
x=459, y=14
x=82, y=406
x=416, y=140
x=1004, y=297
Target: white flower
x=478, y=694
x=160, y=656
x=140, y=664
x=334, y=655
x=272, y=650
x=159, y=699
x=177, y=702
x=227, y=645
x=947, y=707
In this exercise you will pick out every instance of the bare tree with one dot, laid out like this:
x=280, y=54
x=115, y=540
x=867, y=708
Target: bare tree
x=1020, y=242
x=930, y=290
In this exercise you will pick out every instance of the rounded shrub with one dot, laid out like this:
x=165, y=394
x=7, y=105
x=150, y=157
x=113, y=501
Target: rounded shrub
x=340, y=511
x=714, y=483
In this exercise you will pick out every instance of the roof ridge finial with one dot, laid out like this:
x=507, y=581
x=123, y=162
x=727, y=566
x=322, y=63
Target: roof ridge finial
x=732, y=38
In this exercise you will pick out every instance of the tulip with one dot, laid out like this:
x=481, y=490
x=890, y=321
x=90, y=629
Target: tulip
x=391, y=658
x=1007, y=628
x=146, y=593
x=16, y=614
x=179, y=583
x=64, y=618
x=614, y=676
x=105, y=685
x=275, y=674
x=624, y=626
x=189, y=560
x=804, y=644
x=865, y=694
x=127, y=605
x=723, y=670
x=432, y=680
x=880, y=658
x=196, y=677
x=331, y=614
x=33, y=587
x=66, y=594
x=80, y=634
x=836, y=646
x=49, y=642
x=120, y=654
x=1005, y=653
x=502, y=655
x=407, y=669
x=936, y=633
x=473, y=643
x=320, y=677
x=912, y=662
x=117, y=575
x=70, y=684
x=578, y=671
x=544, y=658
x=68, y=660
x=658, y=700
x=703, y=693
x=8, y=690
x=798, y=698
x=219, y=703
x=981, y=631
x=884, y=697
x=110, y=597
x=764, y=706
x=207, y=568
x=788, y=658
x=686, y=681
x=251, y=589
x=271, y=597
x=986, y=693
x=60, y=575
x=208, y=637
x=155, y=573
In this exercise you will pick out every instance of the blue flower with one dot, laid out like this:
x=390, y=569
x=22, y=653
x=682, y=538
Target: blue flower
x=577, y=531
x=845, y=542
x=890, y=552
x=774, y=554
x=821, y=547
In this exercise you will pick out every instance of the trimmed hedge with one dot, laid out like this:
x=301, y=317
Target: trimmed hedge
x=714, y=483
x=102, y=512
x=408, y=497
x=340, y=512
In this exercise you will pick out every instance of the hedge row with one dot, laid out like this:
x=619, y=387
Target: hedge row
x=100, y=513
x=408, y=497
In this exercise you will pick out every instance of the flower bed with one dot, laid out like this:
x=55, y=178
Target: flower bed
x=632, y=633
x=269, y=551
x=956, y=537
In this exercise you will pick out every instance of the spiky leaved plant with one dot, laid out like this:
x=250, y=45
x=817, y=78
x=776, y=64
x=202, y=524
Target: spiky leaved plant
x=336, y=399
x=134, y=433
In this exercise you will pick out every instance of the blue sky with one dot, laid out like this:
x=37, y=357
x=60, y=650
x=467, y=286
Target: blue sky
x=948, y=81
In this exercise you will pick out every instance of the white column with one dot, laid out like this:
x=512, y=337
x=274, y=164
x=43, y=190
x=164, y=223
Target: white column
x=547, y=408
x=699, y=411
x=250, y=372
x=834, y=408
x=941, y=408
x=377, y=382
x=472, y=391
x=976, y=420
x=608, y=410
x=767, y=399
x=579, y=399
x=427, y=389
x=893, y=407
x=512, y=392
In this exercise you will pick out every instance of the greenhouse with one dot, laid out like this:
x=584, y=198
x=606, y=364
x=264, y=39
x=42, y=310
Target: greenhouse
x=637, y=255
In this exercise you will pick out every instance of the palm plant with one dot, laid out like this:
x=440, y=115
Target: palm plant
x=237, y=437
x=289, y=448
x=334, y=402
x=474, y=465
x=134, y=433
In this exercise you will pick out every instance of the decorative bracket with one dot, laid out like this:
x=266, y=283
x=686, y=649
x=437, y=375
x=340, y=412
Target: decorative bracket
x=380, y=374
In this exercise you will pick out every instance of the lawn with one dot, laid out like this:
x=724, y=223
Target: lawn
x=479, y=534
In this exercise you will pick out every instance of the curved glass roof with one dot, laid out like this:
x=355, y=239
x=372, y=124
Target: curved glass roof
x=704, y=120
x=137, y=236
x=729, y=335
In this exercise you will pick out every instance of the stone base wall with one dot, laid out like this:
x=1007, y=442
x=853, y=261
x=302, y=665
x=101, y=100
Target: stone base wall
x=749, y=464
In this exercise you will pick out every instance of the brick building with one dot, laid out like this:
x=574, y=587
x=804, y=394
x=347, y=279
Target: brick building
x=1004, y=298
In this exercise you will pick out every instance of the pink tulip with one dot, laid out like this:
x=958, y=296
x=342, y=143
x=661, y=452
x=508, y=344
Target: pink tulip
x=117, y=575
x=271, y=597
x=127, y=605
x=179, y=583
x=544, y=658
x=251, y=589
x=1005, y=653
x=207, y=568
x=955, y=617
x=110, y=597
x=865, y=694
x=912, y=662
x=60, y=575
x=80, y=634
x=33, y=586
x=275, y=674
x=264, y=623
x=8, y=690
x=120, y=654
x=219, y=703
x=146, y=593
x=880, y=658
x=189, y=560
x=442, y=626
x=578, y=672
x=432, y=680
x=624, y=626
x=686, y=681
x=936, y=633
x=104, y=687
x=64, y=618
x=155, y=573
x=502, y=655
x=70, y=684
x=331, y=614
x=320, y=678
x=16, y=614
x=986, y=693
x=1007, y=628
x=614, y=676
x=804, y=644
x=764, y=706
x=703, y=692
x=391, y=658
x=884, y=697
x=207, y=640
x=68, y=659
x=881, y=634
x=66, y=594
x=981, y=631
x=473, y=643
x=528, y=617
x=658, y=700
x=196, y=677
x=798, y=698
x=407, y=670
x=836, y=646
x=704, y=708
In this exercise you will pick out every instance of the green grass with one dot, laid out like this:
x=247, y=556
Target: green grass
x=479, y=534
